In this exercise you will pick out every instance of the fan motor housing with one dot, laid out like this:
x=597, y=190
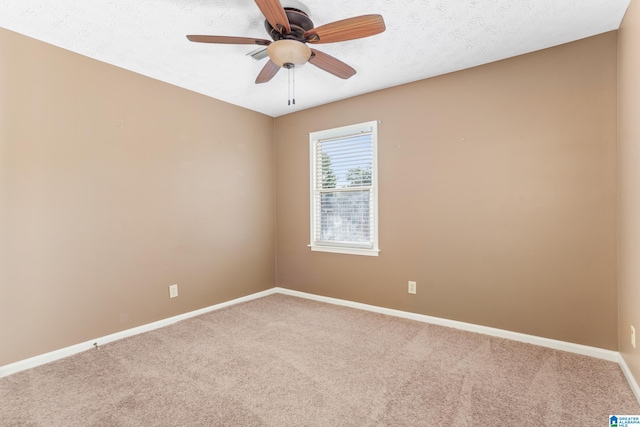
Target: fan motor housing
x=298, y=21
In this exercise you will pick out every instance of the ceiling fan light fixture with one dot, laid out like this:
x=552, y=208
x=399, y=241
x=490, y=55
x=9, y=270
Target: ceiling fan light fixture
x=285, y=51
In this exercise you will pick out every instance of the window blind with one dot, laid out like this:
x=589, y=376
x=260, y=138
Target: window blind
x=343, y=205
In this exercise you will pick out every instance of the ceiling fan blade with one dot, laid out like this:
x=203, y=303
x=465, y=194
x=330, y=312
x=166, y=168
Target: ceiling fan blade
x=346, y=29
x=267, y=73
x=331, y=65
x=275, y=14
x=228, y=40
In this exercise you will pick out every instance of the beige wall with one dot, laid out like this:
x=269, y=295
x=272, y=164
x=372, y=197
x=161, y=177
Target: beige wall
x=629, y=185
x=114, y=186
x=497, y=195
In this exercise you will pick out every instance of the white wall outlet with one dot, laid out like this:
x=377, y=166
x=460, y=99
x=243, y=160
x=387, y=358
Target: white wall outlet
x=173, y=291
x=633, y=337
x=412, y=287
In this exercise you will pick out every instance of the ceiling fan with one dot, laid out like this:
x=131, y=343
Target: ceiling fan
x=291, y=30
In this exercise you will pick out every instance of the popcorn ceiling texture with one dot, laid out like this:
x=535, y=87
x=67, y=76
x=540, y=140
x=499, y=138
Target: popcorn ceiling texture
x=423, y=39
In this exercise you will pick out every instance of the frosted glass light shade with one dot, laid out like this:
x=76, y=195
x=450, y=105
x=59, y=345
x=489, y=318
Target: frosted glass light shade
x=288, y=52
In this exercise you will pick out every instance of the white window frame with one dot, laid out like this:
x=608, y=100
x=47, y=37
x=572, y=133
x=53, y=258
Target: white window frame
x=334, y=246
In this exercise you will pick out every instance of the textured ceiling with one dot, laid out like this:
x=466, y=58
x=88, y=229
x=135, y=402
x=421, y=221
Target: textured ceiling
x=424, y=38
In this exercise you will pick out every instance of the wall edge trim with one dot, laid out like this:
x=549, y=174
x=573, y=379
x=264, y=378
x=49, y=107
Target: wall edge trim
x=584, y=350
x=600, y=353
x=54, y=355
x=629, y=376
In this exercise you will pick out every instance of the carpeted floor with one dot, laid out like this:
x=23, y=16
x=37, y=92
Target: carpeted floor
x=286, y=361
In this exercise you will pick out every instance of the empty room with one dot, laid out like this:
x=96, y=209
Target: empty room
x=284, y=213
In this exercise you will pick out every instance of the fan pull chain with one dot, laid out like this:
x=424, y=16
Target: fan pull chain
x=289, y=85
x=293, y=85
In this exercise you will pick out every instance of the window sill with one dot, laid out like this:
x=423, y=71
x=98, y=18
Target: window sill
x=343, y=250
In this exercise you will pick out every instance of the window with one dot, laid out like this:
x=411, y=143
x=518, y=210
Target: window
x=344, y=189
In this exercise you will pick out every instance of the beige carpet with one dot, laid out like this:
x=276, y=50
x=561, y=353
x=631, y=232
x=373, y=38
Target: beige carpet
x=286, y=361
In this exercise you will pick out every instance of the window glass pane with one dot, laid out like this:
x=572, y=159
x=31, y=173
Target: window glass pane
x=346, y=162
x=345, y=216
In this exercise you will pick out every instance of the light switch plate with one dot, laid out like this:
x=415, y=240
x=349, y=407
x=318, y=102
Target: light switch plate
x=173, y=291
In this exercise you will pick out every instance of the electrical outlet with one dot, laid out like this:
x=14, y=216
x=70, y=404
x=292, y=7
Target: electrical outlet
x=173, y=291
x=412, y=287
x=633, y=337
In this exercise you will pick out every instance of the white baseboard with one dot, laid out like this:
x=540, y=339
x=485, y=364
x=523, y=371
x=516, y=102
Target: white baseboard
x=599, y=353
x=87, y=345
x=627, y=373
